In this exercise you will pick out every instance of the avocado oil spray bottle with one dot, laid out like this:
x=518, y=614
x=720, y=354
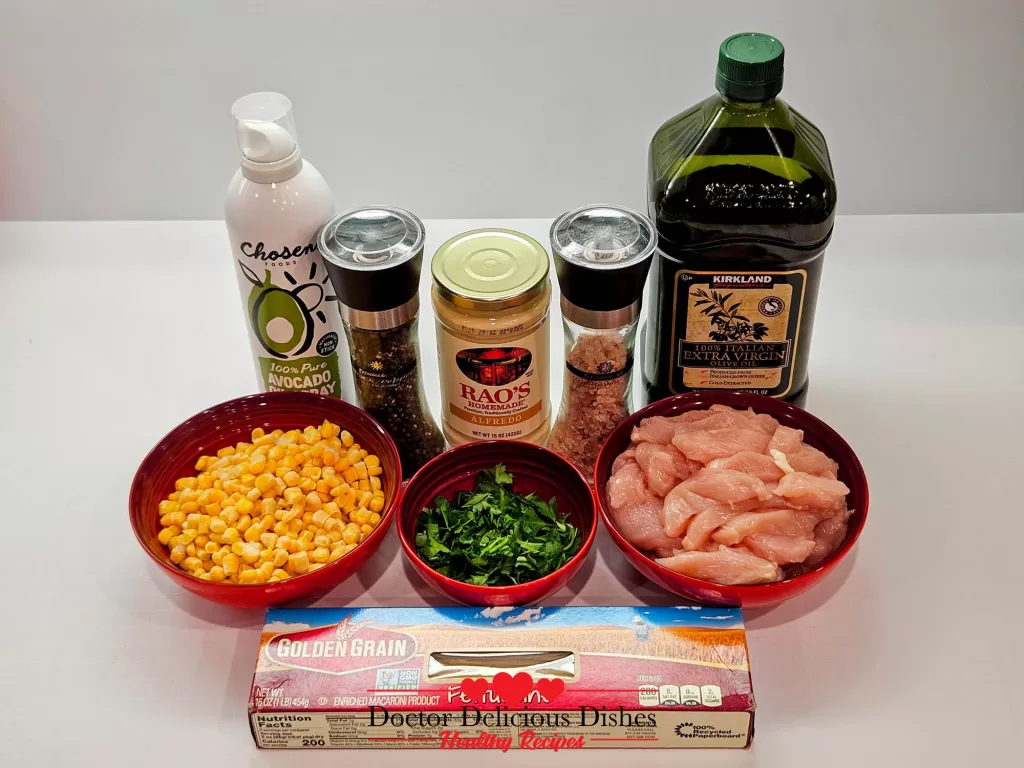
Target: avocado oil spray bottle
x=276, y=204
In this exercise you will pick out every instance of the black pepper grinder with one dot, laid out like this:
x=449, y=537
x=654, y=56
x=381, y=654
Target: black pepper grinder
x=373, y=256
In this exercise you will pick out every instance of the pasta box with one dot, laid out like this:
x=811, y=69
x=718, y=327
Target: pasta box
x=502, y=678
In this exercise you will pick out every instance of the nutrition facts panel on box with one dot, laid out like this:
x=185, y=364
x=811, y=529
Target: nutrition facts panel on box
x=542, y=730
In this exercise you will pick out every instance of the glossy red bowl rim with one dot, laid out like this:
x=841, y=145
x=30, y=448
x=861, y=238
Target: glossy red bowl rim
x=153, y=458
x=811, y=577
x=483, y=589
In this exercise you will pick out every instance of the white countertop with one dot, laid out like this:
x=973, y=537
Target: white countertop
x=909, y=655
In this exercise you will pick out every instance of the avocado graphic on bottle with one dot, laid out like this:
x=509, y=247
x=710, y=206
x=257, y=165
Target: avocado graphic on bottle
x=741, y=189
x=275, y=206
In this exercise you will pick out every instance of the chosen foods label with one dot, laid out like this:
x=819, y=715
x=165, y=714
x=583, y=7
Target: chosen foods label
x=495, y=391
x=293, y=323
x=736, y=330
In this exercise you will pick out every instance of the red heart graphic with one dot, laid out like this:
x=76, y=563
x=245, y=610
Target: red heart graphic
x=474, y=689
x=550, y=687
x=512, y=690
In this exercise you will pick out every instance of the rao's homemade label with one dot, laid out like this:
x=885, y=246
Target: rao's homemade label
x=294, y=323
x=497, y=390
x=736, y=331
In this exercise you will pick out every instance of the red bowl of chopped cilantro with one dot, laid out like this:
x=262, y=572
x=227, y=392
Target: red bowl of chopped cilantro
x=497, y=523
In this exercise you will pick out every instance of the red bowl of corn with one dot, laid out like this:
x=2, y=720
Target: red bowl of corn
x=168, y=467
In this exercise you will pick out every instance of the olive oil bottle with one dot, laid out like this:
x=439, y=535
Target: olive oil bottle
x=741, y=190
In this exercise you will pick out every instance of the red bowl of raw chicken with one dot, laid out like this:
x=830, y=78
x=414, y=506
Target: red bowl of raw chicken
x=730, y=498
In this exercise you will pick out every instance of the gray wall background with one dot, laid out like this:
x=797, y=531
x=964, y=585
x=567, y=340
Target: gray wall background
x=119, y=109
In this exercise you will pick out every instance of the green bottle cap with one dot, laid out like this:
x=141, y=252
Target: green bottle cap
x=750, y=67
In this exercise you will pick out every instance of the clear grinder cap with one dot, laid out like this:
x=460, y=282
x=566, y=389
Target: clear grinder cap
x=374, y=256
x=602, y=254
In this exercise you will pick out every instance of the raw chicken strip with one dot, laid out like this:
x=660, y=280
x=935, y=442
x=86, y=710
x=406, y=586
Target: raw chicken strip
x=725, y=566
x=775, y=522
x=637, y=512
x=663, y=465
x=622, y=458
x=757, y=464
x=724, y=417
x=781, y=550
x=655, y=429
x=787, y=440
x=719, y=443
x=828, y=535
x=727, y=486
x=704, y=524
x=812, y=461
x=682, y=505
x=803, y=490
x=802, y=457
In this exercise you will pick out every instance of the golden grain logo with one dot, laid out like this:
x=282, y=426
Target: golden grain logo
x=342, y=649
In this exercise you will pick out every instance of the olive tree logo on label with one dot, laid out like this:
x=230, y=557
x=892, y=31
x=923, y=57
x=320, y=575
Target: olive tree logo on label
x=282, y=319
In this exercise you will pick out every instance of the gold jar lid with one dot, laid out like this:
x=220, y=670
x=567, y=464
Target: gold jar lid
x=490, y=269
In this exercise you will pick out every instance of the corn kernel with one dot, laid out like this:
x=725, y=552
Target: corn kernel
x=313, y=501
x=265, y=482
x=251, y=577
x=243, y=523
x=231, y=536
x=190, y=550
x=218, y=525
x=346, y=438
x=217, y=573
x=366, y=529
x=374, y=519
x=334, y=535
x=376, y=504
x=375, y=483
x=351, y=534
x=268, y=540
x=165, y=535
x=307, y=485
x=279, y=575
x=336, y=554
x=229, y=515
x=281, y=528
x=231, y=563
x=320, y=555
x=252, y=534
x=178, y=554
x=299, y=562
x=375, y=471
x=280, y=558
x=191, y=563
x=245, y=506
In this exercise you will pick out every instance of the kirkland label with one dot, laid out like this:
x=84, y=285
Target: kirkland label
x=736, y=330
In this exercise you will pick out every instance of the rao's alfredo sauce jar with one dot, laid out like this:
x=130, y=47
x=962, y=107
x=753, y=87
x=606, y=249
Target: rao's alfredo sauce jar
x=491, y=295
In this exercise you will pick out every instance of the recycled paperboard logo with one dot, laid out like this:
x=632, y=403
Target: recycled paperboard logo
x=282, y=319
x=341, y=649
x=685, y=730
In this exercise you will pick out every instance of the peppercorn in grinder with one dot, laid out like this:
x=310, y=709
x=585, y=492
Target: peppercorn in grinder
x=374, y=256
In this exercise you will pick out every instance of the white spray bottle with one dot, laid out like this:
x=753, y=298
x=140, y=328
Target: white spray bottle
x=276, y=204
